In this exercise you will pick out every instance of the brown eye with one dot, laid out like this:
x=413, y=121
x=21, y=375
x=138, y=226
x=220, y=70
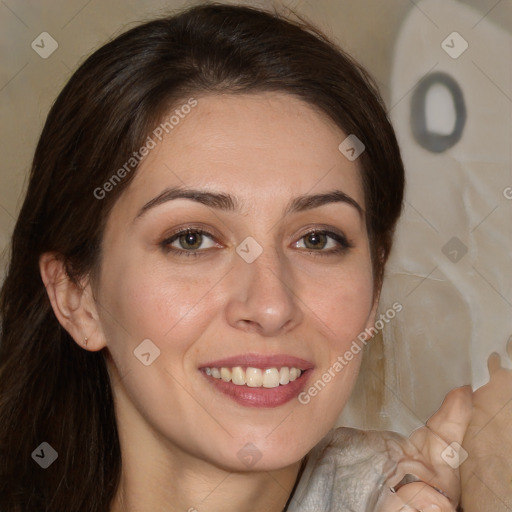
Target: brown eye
x=324, y=243
x=315, y=240
x=188, y=242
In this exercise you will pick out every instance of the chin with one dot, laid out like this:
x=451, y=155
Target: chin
x=260, y=453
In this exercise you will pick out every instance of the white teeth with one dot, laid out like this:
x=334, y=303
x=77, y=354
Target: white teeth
x=225, y=374
x=271, y=378
x=238, y=376
x=294, y=374
x=256, y=377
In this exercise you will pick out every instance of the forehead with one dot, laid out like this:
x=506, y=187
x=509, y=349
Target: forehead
x=268, y=146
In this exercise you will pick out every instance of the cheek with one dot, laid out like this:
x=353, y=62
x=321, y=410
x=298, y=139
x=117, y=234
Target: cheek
x=156, y=303
x=343, y=305
x=342, y=309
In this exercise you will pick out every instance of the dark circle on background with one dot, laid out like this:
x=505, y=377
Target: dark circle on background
x=431, y=141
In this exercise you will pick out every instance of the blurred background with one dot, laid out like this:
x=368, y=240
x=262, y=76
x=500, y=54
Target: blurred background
x=444, y=68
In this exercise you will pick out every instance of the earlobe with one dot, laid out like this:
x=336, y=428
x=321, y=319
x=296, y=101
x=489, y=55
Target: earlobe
x=72, y=303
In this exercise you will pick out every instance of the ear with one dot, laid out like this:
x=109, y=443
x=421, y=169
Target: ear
x=73, y=303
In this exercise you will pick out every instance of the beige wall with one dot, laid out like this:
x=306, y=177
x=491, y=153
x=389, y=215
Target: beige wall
x=369, y=30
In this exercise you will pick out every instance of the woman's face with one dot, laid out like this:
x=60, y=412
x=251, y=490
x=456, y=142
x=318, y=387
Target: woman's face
x=247, y=290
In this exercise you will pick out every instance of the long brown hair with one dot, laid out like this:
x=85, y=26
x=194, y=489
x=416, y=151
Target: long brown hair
x=53, y=391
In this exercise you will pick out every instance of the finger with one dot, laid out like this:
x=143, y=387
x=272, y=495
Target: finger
x=422, y=497
x=414, y=497
x=493, y=363
x=450, y=422
x=509, y=348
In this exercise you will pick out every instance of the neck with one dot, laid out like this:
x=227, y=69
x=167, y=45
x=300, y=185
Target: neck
x=212, y=489
x=154, y=482
x=158, y=476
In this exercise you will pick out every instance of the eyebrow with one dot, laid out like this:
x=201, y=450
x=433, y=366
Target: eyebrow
x=227, y=202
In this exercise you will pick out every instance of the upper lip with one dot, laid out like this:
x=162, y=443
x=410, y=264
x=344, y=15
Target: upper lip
x=260, y=361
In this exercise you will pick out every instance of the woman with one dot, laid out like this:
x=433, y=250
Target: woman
x=209, y=213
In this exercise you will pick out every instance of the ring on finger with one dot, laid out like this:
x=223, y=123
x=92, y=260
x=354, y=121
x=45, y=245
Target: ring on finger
x=409, y=479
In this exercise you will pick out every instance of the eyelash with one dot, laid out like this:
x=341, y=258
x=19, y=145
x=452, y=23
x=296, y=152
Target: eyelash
x=344, y=244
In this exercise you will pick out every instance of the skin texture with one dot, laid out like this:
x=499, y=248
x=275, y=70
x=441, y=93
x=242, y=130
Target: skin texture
x=180, y=437
x=422, y=455
x=353, y=470
x=487, y=472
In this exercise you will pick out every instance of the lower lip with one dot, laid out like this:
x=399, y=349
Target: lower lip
x=261, y=397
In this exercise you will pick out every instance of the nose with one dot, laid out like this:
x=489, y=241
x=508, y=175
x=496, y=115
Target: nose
x=261, y=296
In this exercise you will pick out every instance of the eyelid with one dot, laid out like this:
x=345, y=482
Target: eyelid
x=338, y=236
x=170, y=238
x=201, y=228
x=328, y=230
x=343, y=243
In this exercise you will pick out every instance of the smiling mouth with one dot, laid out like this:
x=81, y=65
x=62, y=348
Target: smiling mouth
x=258, y=380
x=255, y=377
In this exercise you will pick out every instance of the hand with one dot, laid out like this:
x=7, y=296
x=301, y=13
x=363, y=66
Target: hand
x=425, y=455
x=487, y=473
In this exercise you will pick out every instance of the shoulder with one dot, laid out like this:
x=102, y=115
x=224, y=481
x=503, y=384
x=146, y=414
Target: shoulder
x=347, y=470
